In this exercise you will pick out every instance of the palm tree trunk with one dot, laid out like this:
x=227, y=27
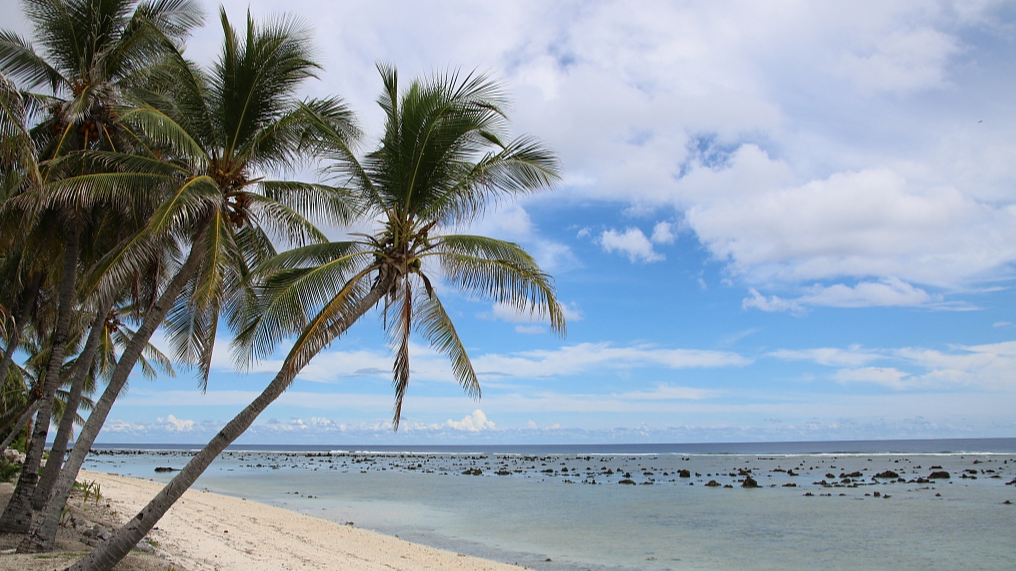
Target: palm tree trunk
x=63, y=434
x=16, y=429
x=17, y=517
x=43, y=532
x=15, y=339
x=107, y=555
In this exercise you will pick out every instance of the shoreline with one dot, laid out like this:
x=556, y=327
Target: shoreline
x=205, y=531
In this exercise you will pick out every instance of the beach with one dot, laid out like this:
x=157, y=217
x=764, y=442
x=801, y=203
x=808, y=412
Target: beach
x=211, y=532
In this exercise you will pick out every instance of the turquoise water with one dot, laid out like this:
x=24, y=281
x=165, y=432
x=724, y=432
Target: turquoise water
x=528, y=508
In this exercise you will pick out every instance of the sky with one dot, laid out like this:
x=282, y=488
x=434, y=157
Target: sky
x=778, y=220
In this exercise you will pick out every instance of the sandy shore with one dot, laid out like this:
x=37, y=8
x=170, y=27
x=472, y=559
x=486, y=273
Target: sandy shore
x=205, y=531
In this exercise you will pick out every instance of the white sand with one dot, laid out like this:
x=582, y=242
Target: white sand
x=205, y=531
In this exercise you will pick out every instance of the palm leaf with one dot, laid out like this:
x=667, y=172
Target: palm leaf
x=503, y=272
x=433, y=323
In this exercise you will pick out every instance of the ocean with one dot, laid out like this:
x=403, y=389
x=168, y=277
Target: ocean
x=893, y=505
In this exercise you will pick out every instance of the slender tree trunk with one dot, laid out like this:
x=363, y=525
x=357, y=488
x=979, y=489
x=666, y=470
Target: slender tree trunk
x=63, y=434
x=17, y=517
x=107, y=555
x=43, y=532
x=15, y=339
x=22, y=421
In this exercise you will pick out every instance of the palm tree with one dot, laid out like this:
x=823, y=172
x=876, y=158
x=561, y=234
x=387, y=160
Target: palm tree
x=440, y=162
x=107, y=335
x=94, y=48
x=211, y=136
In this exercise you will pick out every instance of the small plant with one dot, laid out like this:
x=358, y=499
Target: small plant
x=88, y=490
x=65, y=515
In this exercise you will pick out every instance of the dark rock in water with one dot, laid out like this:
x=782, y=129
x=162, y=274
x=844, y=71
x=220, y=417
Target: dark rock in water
x=808, y=494
x=877, y=494
x=1012, y=483
x=790, y=485
x=749, y=482
x=503, y=472
x=854, y=474
x=887, y=475
x=627, y=481
x=1007, y=503
x=942, y=474
x=163, y=469
x=684, y=473
x=473, y=472
x=712, y=484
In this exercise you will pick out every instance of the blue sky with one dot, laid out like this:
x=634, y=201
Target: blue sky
x=778, y=221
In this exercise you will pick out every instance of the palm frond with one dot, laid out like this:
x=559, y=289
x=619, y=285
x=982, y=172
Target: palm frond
x=433, y=323
x=290, y=287
x=400, y=304
x=19, y=60
x=161, y=129
x=503, y=272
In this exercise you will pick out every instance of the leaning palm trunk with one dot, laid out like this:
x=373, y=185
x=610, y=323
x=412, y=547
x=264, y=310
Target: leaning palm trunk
x=17, y=517
x=63, y=433
x=106, y=556
x=43, y=532
x=19, y=424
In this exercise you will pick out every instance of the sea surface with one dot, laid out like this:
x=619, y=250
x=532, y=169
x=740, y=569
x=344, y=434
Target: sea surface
x=894, y=505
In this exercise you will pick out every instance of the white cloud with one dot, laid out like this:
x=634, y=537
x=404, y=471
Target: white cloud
x=632, y=243
x=988, y=367
x=668, y=392
x=901, y=61
x=530, y=329
x=584, y=357
x=663, y=233
x=888, y=292
x=888, y=376
x=830, y=356
x=769, y=304
x=177, y=425
x=530, y=314
x=473, y=423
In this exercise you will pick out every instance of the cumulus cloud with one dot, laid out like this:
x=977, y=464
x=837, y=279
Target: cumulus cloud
x=663, y=233
x=174, y=424
x=473, y=423
x=632, y=243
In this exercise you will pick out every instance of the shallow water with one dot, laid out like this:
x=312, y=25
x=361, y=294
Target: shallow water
x=662, y=522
